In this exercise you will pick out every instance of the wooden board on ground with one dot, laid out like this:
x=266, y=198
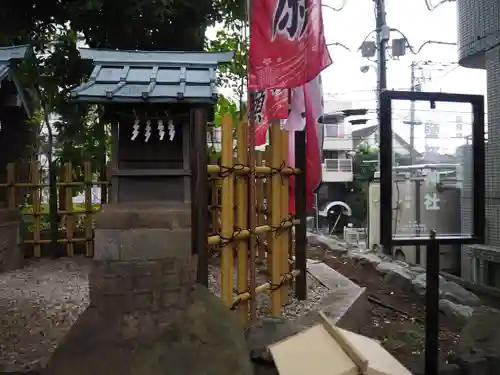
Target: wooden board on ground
x=328, y=350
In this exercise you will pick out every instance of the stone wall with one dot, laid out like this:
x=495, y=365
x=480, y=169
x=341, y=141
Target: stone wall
x=478, y=32
x=146, y=313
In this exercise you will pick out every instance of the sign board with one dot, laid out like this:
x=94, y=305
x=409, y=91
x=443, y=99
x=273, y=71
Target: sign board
x=433, y=181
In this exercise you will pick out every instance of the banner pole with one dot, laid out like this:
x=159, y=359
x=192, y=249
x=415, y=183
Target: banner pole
x=300, y=210
x=252, y=214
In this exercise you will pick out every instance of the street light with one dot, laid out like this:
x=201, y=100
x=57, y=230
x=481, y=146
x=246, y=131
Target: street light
x=365, y=68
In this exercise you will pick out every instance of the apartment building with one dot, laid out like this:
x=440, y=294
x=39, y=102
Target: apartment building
x=337, y=143
x=338, y=146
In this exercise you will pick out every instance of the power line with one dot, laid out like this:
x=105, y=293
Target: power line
x=431, y=7
x=334, y=8
x=436, y=111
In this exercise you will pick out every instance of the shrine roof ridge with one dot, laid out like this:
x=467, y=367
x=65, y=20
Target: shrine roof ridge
x=151, y=76
x=13, y=53
x=160, y=58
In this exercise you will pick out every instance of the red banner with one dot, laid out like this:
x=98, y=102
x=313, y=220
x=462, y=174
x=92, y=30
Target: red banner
x=268, y=106
x=287, y=44
x=313, y=154
x=313, y=151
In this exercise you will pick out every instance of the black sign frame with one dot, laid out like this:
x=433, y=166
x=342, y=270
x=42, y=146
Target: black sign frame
x=432, y=241
x=386, y=165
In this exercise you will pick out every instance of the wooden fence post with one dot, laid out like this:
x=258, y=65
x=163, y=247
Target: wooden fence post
x=242, y=206
x=70, y=220
x=11, y=185
x=89, y=209
x=275, y=203
x=36, y=192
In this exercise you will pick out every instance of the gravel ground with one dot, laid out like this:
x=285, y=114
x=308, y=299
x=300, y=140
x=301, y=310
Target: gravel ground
x=38, y=305
x=292, y=310
x=40, y=302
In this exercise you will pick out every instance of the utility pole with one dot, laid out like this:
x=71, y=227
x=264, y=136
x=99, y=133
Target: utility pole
x=413, y=122
x=412, y=114
x=383, y=35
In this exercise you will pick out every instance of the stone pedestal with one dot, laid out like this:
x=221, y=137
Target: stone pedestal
x=10, y=251
x=146, y=314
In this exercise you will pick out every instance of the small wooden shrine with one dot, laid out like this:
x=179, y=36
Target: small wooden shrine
x=154, y=101
x=147, y=315
x=16, y=106
x=17, y=140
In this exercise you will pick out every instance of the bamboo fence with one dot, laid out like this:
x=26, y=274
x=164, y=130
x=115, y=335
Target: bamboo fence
x=230, y=210
x=70, y=233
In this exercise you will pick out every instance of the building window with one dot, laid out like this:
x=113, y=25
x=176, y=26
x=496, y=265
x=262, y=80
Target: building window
x=332, y=130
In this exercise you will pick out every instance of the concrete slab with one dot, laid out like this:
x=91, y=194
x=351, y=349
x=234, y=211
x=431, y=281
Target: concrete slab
x=329, y=277
x=311, y=262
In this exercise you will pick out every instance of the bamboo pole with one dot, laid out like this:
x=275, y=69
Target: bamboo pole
x=215, y=212
x=261, y=218
x=275, y=201
x=35, y=181
x=267, y=192
x=284, y=215
x=242, y=219
x=70, y=227
x=89, y=243
x=252, y=219
x=227, y=211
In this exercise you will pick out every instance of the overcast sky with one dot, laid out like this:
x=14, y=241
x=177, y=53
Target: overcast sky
x=344, y=81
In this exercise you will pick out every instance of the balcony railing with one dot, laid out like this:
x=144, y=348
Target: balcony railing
x=338, y=165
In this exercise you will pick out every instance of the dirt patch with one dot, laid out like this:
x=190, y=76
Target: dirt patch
x=396, y=318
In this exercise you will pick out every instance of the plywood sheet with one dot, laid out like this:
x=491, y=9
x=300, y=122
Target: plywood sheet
x=325, y=350
x=312, y=351
x=380, y=361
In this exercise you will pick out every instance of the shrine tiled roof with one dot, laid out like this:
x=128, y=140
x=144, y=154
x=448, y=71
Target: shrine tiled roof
x=143, y=76
x=9, y=55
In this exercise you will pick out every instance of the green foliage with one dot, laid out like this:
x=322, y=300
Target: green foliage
x=225, y=106
x=232, y=38
x=364, y=169
x=52, y=28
